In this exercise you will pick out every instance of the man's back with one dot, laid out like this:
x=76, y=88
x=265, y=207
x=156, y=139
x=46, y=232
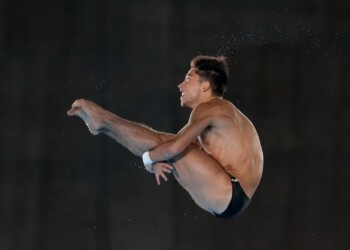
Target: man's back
x=232, y=141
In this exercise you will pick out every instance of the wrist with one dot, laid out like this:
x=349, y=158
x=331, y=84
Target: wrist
x=146, y=159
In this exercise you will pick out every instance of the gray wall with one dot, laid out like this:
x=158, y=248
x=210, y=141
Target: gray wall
x=61, y=188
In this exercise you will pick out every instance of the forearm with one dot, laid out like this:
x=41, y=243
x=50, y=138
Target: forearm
x=174, y=147
x=165, y=151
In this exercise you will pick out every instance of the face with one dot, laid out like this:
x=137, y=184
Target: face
x=190, y=89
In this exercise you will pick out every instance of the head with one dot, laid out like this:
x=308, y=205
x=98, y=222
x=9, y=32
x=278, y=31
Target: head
x=207, y=78
x=214, y=70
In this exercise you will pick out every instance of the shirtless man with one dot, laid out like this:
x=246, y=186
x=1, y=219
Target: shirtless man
x=217, y=157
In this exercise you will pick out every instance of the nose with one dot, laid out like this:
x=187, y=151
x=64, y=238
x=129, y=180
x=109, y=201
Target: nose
x=180, y=86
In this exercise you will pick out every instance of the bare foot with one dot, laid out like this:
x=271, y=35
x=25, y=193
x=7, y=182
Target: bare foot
x=90, y=113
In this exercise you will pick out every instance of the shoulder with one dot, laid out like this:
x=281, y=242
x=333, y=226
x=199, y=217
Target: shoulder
x=211, y=110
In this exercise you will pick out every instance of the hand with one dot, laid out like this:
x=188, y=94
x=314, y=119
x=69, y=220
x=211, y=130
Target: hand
x=159, y=170
x=89, y=112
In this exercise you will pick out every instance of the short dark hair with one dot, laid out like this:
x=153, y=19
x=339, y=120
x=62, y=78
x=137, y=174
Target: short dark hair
x=214, y=70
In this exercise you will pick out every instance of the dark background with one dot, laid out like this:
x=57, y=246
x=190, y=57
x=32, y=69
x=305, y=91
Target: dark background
x=61, y=188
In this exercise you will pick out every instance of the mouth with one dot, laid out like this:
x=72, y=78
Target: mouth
x=182, y=96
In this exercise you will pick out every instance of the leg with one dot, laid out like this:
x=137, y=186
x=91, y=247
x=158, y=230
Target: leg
x=205, y=180
x=138, y=138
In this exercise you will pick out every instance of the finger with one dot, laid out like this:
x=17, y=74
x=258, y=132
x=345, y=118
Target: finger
x=164, y=176
x=157, y=178
x=167, y=165
x=166, y=169
x=169, y=168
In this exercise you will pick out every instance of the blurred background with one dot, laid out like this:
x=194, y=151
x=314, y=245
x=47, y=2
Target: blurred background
x=62, y=188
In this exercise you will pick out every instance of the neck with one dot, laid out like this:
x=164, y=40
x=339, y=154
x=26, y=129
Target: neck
x=207, y=99
x=215, y=97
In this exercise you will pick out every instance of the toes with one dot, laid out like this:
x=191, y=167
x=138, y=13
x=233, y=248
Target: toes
x=72, y=112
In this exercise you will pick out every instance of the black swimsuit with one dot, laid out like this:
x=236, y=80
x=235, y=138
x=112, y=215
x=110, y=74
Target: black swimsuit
x=238, y=203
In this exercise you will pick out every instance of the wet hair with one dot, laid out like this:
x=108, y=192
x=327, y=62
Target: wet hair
x=214, y=70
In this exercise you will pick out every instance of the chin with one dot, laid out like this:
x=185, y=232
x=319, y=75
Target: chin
x=184, y=105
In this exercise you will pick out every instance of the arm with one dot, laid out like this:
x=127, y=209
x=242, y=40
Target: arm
x=179, y=143
x=187, y=135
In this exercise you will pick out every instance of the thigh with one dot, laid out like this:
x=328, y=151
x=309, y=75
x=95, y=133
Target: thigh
x=205, y=180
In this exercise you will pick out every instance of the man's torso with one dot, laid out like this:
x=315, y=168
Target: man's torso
x=232, y=141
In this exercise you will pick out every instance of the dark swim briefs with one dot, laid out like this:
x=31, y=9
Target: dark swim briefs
x=238, y=203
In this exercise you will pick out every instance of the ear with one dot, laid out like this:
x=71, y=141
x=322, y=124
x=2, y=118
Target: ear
x=205, y=86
